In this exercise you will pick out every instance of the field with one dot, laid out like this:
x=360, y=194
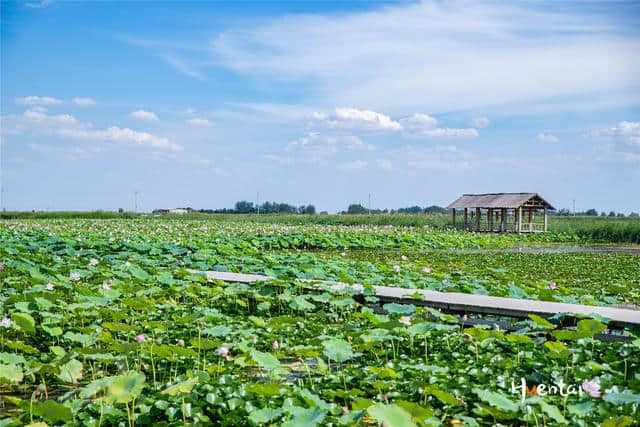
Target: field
x=597, y=229
x=104, y=322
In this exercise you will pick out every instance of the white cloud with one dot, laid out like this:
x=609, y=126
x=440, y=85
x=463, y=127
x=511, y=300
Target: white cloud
x=441, y=56
x=84, y=101
x=199, y=122
x=423, y=125
x=38, y=100
x=628, y=131
x=385, y=164
x=354, y=165
x=116, y=134
x=547, y=137
x=417, y=125
x=36, y=121
x=314, y=146
x=480, y=122
x=39, y=115
x=38, y=4
x=144, y=115
x=352, y=118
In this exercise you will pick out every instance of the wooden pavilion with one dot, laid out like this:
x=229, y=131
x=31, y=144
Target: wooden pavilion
x=501, y=212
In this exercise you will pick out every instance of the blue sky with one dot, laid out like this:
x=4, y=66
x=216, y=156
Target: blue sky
x=206, y=103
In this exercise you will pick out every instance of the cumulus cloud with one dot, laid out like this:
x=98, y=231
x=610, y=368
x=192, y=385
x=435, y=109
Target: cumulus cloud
x=354, y=165
x=421, y=125
x=418, y=125
x=199, y=122
x=84, y=101
x=480, y=122
x=117, y=134
x=352, y=118
x=37, y=121
x=144, y=115
x=315, y=146
x=627, y=131
x=38, y=100
x=547, y=137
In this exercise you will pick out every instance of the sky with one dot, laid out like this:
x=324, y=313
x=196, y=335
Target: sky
x=202, y=104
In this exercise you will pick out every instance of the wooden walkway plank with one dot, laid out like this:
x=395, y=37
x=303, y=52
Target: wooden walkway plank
x=459, y=302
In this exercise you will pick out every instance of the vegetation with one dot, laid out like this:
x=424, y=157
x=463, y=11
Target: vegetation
x=595, y=229
x=105, y=323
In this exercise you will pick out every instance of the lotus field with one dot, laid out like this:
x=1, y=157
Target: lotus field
x=109, y=322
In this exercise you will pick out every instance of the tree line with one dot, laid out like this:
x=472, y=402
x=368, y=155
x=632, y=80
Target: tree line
x=246, y=207
x=593, y=212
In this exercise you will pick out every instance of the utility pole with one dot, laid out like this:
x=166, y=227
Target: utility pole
x=135, y=198
x=369, y=203
x=574, y=207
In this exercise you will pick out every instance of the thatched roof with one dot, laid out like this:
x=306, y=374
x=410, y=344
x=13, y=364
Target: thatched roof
x=500, y=200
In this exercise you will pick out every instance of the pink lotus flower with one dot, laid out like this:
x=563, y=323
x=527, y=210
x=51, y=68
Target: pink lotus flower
x=343, y=254
x=426, y=270
x=405, y=320
x=107, y=285
x=222, y=351
x=140, y=338
x=553, y=285
x=127, y=264
x=254, y=339
x=276, y=345
x=2, y=267
x=74, y=277
x=93, y=262
x=5, y=322
x=396, y=268
x=49, y=286
x=404, y=258
x=591, y=387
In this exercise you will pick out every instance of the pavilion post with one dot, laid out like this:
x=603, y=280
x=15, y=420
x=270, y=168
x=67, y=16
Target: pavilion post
x=477, y=219
x=490, y=219
x=519, y=220
x=466, y=218
x=530, y=220
x=453, y=217
x=502, y=215
x=545, y=220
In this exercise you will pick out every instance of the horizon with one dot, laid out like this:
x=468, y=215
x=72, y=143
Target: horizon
x=205, y=104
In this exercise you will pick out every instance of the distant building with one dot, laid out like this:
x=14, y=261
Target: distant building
x=515, y=212
x=178, y=211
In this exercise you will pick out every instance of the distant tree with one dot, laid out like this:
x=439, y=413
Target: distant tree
x=308, y=210
x=612, y=213
x=120, y=210
x=603, y=213
x=435, y=209
x=564, y=212
x=634, y=215
x=244, y=207
x=356, y=208
x=591, y=212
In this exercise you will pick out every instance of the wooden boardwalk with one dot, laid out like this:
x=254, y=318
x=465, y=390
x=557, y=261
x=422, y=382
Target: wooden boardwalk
x=462, y=303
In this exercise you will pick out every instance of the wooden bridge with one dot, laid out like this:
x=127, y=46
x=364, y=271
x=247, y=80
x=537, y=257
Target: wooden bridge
x=459, y=303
